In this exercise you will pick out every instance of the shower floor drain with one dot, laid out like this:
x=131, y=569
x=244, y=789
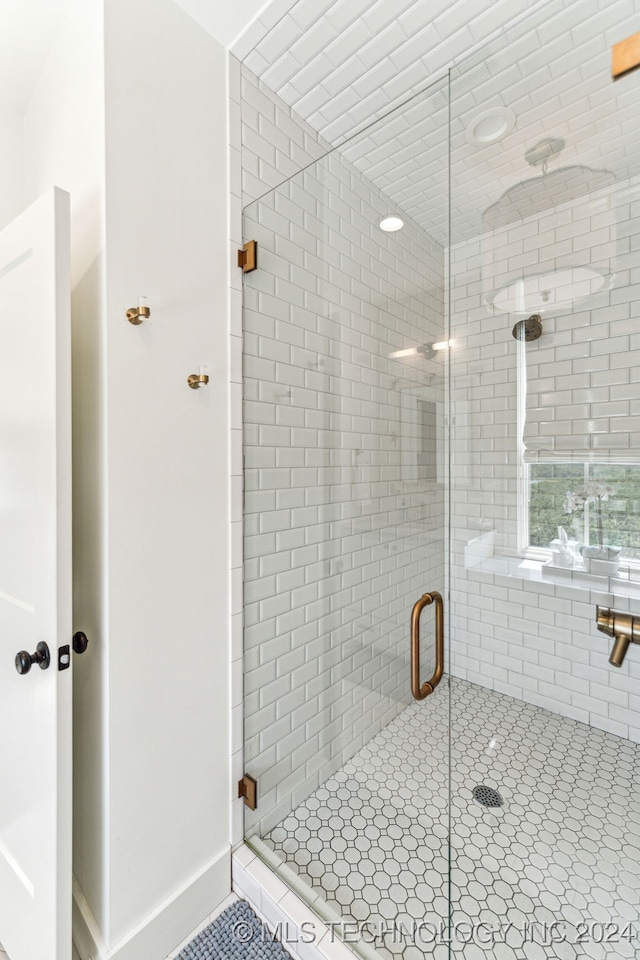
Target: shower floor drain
x=487, y=796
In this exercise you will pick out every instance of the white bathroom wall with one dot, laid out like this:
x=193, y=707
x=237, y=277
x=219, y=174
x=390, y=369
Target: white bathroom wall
x=142, y=150
x=11, y=163
x=166, y=216
x=224, y=21
x=536, y=639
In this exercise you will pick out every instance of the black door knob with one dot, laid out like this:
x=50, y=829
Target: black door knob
x=80, y=642
x=42, y=656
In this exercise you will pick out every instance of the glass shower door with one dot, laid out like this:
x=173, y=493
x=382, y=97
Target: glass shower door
x=344, y=394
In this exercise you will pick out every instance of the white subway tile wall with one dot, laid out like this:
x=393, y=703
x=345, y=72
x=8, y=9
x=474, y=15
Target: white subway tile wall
x=275, y=143
x=344, y=494
x=536, y=640
x=267, y=144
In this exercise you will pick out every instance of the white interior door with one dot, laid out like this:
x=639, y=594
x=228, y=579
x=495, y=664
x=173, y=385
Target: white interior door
x=35, y=582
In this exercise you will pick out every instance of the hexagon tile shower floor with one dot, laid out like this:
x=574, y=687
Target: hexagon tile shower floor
x=373, y=839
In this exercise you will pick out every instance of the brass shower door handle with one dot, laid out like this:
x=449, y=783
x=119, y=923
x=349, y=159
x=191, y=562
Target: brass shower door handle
x=421, y=691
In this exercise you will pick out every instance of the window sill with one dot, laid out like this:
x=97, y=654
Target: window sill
x=543, y=572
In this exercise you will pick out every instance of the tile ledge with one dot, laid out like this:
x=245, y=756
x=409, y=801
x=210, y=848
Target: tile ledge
x=535, y=571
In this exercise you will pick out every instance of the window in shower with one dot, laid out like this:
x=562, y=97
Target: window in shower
x=548, y=487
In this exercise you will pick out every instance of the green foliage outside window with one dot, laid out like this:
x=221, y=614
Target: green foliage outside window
x=549, y=485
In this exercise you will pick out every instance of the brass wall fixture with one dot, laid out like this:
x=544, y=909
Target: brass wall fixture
x=420, y=691
x=623, y=627
x=136, y=315
x=197, y=380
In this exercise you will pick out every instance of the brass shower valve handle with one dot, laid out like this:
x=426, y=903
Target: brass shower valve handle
x=623, y=627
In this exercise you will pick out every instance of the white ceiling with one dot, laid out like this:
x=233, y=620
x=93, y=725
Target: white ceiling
x=223, y=20
x=340, y=64
x=27, y=30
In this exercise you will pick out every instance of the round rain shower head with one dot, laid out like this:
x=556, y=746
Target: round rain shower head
x=529, y=329
x=542, y=194
x=557, y=275
x=551, y=290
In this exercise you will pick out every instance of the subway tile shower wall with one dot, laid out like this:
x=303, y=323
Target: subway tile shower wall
x=344, y=493
x=534, y=640
x=275, y=143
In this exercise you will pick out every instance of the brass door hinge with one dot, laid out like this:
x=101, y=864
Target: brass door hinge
x=248, y=256
x=625, y=56
x=248, y=788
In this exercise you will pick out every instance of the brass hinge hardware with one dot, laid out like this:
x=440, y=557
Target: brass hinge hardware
x=248, y=256
x=625, y=56
x=248, y=788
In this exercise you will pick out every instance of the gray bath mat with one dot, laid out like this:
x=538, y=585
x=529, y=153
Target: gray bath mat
x=237, y=934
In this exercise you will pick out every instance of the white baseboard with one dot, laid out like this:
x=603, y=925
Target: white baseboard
x=166, y=927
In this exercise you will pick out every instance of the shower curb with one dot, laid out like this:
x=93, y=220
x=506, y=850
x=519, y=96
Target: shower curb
x=282, y=909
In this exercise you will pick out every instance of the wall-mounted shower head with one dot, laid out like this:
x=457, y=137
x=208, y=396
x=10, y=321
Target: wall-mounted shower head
x=529, y=329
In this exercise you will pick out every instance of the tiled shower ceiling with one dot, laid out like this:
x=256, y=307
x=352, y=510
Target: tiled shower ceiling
x=342, y=63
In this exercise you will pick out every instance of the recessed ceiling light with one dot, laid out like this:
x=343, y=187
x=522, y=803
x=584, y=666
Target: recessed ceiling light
x=391, y=224
x=490, y=125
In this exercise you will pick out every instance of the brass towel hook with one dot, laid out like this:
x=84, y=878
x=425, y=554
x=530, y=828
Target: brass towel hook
x=136, y=315
x=421, y=691
x=197, y=380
